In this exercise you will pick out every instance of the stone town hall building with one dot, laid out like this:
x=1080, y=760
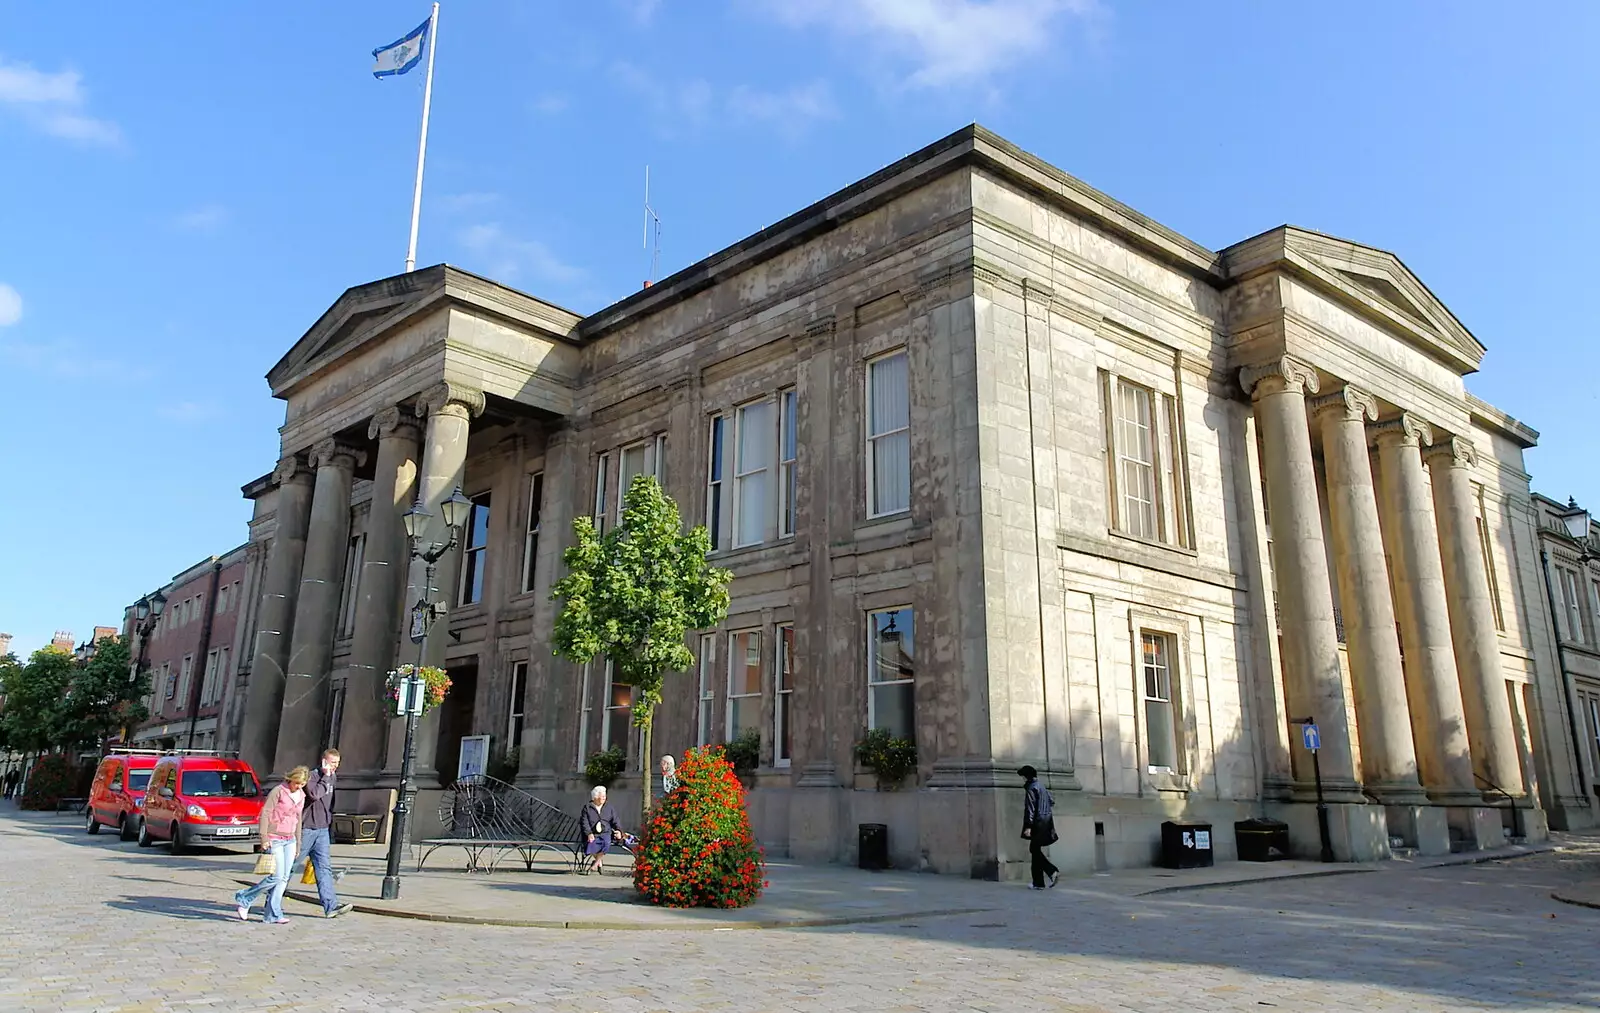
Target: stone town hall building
x=998, y=464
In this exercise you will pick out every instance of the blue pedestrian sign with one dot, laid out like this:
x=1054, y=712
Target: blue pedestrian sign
x=1310, y=736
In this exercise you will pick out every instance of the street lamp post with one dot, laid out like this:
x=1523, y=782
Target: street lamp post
x=422, y=616
x=146, y=612
x=1576, y=524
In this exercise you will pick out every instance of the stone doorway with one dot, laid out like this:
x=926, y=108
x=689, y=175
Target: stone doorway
x=455, y=719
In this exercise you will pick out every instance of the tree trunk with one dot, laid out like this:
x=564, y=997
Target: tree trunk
x=644, y=765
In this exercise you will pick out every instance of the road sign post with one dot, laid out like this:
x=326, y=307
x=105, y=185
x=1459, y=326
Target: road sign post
x=1311, y=738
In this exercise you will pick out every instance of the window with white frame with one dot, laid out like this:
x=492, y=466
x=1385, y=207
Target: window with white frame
x=355, y=555
x=222, y=674
x=643, y=458
x=170, y=679
x=619, y=713
x=222, y=599
x=208, y=679
x=744, y=682
x=752, y=472
x=1589, y=703
x=585, y=710
x=888, y=435
x=782, y=695
x=475, y=551
x=707, y=689
x=788, y=444
x=602, y=468
x=1574, y=610
x=891, y=672
x=1156, y=655
x=518, y=704
x=1149, y=498
x=716, y=463
x=1594, y=607
x=184, y=674
x=530, y=542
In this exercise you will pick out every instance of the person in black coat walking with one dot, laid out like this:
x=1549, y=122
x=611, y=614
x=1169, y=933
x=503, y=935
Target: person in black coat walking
x=1038, y=828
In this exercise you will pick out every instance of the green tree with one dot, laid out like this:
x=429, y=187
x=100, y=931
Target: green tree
x=101, y=697
x=34, y=698
x=634, y=594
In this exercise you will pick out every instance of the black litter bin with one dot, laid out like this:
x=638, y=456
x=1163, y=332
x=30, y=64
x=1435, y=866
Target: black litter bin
x=1261, y=839
x=1185, y=844
x=872, y=846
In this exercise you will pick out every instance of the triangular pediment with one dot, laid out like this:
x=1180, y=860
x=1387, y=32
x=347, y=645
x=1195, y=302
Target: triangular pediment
x=358, y=315
x=1370, y=281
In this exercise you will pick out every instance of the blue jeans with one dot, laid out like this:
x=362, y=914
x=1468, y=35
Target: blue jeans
x=272, y=885
x=316, y=843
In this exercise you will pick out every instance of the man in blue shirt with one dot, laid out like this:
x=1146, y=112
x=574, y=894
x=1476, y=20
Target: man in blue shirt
x=316, y=831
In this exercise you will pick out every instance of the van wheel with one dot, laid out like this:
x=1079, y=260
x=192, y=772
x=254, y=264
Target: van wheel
x=93, y=826
x=177, y=840
x=145, y=840
x=125, y=829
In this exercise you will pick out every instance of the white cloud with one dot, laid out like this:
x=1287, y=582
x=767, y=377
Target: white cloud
x=468, y=201
x=695, y=103
x=205, y=218
x=946, y=42
x=67, y=360
x=10, y=305
x=53, y=103
x=641, y=10
x=550, y=105
x=507, y=258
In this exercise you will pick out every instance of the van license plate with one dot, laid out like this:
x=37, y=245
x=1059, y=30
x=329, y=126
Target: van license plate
x=233, y=831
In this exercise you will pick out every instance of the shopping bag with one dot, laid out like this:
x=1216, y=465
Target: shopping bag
x=266, y=865
x=309, y=877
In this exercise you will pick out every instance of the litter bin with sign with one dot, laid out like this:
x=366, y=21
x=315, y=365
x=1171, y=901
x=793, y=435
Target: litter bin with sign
x=1185, y=844
x=1261, y=839
x=872, y=846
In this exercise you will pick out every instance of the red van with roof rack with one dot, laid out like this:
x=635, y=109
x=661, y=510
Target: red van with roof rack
x=118, y=789
x=200, y=799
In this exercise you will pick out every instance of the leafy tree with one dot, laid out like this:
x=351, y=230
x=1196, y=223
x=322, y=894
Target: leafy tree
x=634, y=593
x=35, y=694
x=101, y=698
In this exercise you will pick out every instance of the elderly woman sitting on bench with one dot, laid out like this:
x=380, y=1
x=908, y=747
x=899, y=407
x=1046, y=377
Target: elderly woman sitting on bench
x=600, y=827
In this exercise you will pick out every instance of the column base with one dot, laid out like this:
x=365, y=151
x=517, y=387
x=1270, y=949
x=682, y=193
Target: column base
x=1456, y=798
x=1534, y=825
x=1333, y=792
x=1422, y=827
x=822, y=774
x=1397, y=793
x=542, y=779
x=814, y=821
x=1475, y=828
x=1358, y=832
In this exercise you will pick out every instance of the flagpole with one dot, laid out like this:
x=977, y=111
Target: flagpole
x=422, y=145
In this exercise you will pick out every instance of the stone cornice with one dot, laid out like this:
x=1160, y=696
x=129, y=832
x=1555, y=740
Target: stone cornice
x=1285, y=373
x=393, y=421
x=1405, y=428
x=1356, y=404
x=1457, y=449
x=446, y=398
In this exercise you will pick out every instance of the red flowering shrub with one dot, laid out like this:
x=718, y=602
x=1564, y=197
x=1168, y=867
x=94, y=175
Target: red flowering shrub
x=696, y=849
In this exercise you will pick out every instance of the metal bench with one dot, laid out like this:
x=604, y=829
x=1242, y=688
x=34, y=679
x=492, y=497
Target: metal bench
x=491, y=820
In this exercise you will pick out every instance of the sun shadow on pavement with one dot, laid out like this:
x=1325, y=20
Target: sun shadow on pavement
x=175, y=907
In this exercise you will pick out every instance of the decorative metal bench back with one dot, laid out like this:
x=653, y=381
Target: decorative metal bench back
x=480, y=807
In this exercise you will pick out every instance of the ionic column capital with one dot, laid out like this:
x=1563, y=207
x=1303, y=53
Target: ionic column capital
x=332, y=453
x=289, y=468
x=1405, y=429
x=1455, y=451
x=391, y=422
x=1355, y=404
x=448, y=398
x=1283, y=374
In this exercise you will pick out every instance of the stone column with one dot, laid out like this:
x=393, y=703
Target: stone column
x=383, y=573
x=258, y=736
x=1388, y=756
x=1313, y=686
x=305, y=696
x=1477, y=644
x=449, y=409
x=1437, y=722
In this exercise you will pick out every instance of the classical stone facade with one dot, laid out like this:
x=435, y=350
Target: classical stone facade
x=998, y=464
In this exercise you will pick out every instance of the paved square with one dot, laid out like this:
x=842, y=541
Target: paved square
x=92, y=924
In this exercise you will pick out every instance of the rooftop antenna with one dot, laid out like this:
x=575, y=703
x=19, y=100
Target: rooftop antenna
x=652, y=222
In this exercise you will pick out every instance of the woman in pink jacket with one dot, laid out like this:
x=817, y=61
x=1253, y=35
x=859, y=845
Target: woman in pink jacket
x=280, y=829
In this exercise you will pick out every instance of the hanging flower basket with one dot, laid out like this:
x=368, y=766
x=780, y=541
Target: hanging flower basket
x=436, y=679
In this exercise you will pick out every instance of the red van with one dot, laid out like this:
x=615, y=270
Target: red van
x=117, y=791
x=200, y=800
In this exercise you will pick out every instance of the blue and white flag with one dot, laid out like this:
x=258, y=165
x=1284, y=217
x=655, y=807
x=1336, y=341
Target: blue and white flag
x=401, y=55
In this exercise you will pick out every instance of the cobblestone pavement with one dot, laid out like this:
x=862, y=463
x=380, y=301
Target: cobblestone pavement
x=88, y=923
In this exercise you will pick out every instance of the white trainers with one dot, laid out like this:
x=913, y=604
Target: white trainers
x=243, y=912
x=1053, y=877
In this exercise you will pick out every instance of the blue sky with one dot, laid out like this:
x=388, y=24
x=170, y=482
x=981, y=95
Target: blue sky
x=183, y=193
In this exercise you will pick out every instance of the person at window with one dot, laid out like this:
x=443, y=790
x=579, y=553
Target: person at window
x=1038, y=828
x=669, y=774
x=600, y=827
x=280, y=829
